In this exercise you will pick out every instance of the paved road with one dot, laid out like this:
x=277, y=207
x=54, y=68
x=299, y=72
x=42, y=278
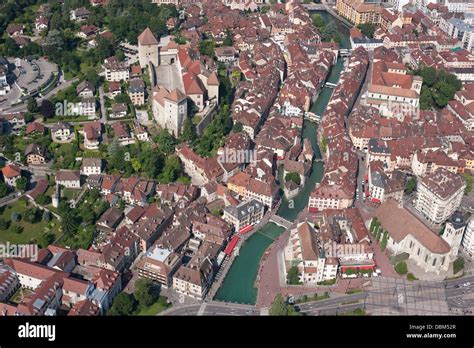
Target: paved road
x=459, y=294
x=103, y=111
x=213, y=308
x=332, y=302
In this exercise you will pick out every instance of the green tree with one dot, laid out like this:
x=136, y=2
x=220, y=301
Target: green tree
x=45, y=239
x=401, y=268
x=281, y=308
x=123, y=304
x=46, y=216
x=439, y=87
x=144, y=292
x=17, y=229
x=367, y=29
x=189, y=131
x=4, y=224
x=238, y=127
x=47, y=109
x=4, y=189
x=43, y=199
x=31, y=215
x=292, y=277
x=330, y=33
x=16, y=217
x=22, y=184
x=318, y=21
x=69, y=223
x=373, y=223
x=410, y=185
x=383, y=243
x=292, y=176
x=171, y=169
x=165, y=142
x=207, y=48
x=32, y=105
x=228, y=41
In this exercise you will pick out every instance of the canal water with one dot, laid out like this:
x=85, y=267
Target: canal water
x=239, y=284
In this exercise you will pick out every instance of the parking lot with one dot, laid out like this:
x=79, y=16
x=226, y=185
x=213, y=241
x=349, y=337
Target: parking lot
x=28, y=77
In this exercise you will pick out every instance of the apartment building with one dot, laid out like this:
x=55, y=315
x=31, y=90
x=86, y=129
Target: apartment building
x=359, y=11
x=439, y=195
x=244, y=215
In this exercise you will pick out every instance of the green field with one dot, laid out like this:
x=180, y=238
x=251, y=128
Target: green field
x=30, y=231
x=154, y=309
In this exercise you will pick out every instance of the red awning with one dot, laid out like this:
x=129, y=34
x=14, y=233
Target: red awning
x=230, y=247
x=376, y=200
x=246, y=229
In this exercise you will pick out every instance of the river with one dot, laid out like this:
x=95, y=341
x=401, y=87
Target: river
x=239, y=284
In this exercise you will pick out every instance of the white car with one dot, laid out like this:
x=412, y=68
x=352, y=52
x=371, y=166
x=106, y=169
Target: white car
x=467, y=284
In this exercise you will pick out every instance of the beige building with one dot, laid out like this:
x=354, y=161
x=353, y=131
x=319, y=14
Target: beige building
x=303, y=252
x=358, y=11
x=116, y=70
x=439, y=195
x=194, y=279
x=136, y=91
x=159, y=265
x=170, y=109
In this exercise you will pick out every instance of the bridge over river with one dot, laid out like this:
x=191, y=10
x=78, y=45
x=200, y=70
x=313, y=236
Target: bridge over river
x=278, y=220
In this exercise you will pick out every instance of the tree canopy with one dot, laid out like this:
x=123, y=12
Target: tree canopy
x=439, y=87
x=281, y=308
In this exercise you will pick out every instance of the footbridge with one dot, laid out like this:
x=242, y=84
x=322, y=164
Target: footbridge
x=278, y=220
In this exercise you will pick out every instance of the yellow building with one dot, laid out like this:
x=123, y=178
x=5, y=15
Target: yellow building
x=359, y=12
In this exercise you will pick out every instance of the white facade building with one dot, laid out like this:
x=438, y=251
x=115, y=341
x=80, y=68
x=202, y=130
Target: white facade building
x=439, y=195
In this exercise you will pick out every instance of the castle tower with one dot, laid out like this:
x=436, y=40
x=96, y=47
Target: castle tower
x=148, y=48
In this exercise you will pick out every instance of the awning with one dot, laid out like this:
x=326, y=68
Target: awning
x=246, y=229
x=230, y=247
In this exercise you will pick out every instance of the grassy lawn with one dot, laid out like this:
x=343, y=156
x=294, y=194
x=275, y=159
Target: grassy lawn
x=315, y=297
x=68, y=119
x=154, y=309
x=353, y=291
x=458, y=265
x=69, y=194
x=16, y=298
x=30, y=231
x=355, y=312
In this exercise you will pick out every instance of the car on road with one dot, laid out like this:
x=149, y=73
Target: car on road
x=467, y=284
x=457, y=286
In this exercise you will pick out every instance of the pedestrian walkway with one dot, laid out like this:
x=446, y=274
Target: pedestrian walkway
x=202, y=309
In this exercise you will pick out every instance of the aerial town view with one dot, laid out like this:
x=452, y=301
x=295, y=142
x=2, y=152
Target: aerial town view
x=236, y=158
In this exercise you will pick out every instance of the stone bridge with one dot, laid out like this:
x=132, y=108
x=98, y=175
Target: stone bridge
x=278, y=220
